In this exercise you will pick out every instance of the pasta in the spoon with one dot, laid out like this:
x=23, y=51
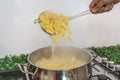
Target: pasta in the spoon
x=55, y=24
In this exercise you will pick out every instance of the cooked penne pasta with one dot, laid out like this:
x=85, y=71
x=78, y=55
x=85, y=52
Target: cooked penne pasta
x=57, y=63
x=55, y=24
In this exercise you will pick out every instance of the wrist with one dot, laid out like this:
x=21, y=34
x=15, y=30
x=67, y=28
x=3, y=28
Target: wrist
x=116, y=1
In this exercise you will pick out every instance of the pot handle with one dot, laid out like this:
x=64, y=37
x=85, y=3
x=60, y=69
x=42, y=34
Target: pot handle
x=23, y=69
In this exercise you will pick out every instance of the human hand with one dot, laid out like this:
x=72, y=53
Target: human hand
x=100, y=6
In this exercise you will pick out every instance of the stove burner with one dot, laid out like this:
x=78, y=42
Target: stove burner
x=100, y=77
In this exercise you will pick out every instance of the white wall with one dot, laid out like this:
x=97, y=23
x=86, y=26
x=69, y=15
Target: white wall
x=19, y=34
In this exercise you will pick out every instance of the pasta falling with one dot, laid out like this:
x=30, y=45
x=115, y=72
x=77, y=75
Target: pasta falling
x=55, y=24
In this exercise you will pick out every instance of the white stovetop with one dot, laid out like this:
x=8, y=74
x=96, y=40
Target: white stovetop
x=102, y=70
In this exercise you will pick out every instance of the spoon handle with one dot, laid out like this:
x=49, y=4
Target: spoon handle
x=81, y=14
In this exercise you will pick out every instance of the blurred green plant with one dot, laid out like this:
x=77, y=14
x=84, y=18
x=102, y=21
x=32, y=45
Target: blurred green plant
x=110, y=52
x=12, y=61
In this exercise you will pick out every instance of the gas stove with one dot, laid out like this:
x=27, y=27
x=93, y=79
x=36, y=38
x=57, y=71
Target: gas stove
x=99, y=69
x=102, y=69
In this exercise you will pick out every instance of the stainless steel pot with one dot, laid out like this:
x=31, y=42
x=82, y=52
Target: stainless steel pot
x=78, y=73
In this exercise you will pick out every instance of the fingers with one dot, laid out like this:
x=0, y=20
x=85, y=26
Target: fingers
x=99, y=5
x=101, y=10
x=93, y=4
x=105, y=9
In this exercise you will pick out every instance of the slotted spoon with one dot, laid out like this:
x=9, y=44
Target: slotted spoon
x=72, y=17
